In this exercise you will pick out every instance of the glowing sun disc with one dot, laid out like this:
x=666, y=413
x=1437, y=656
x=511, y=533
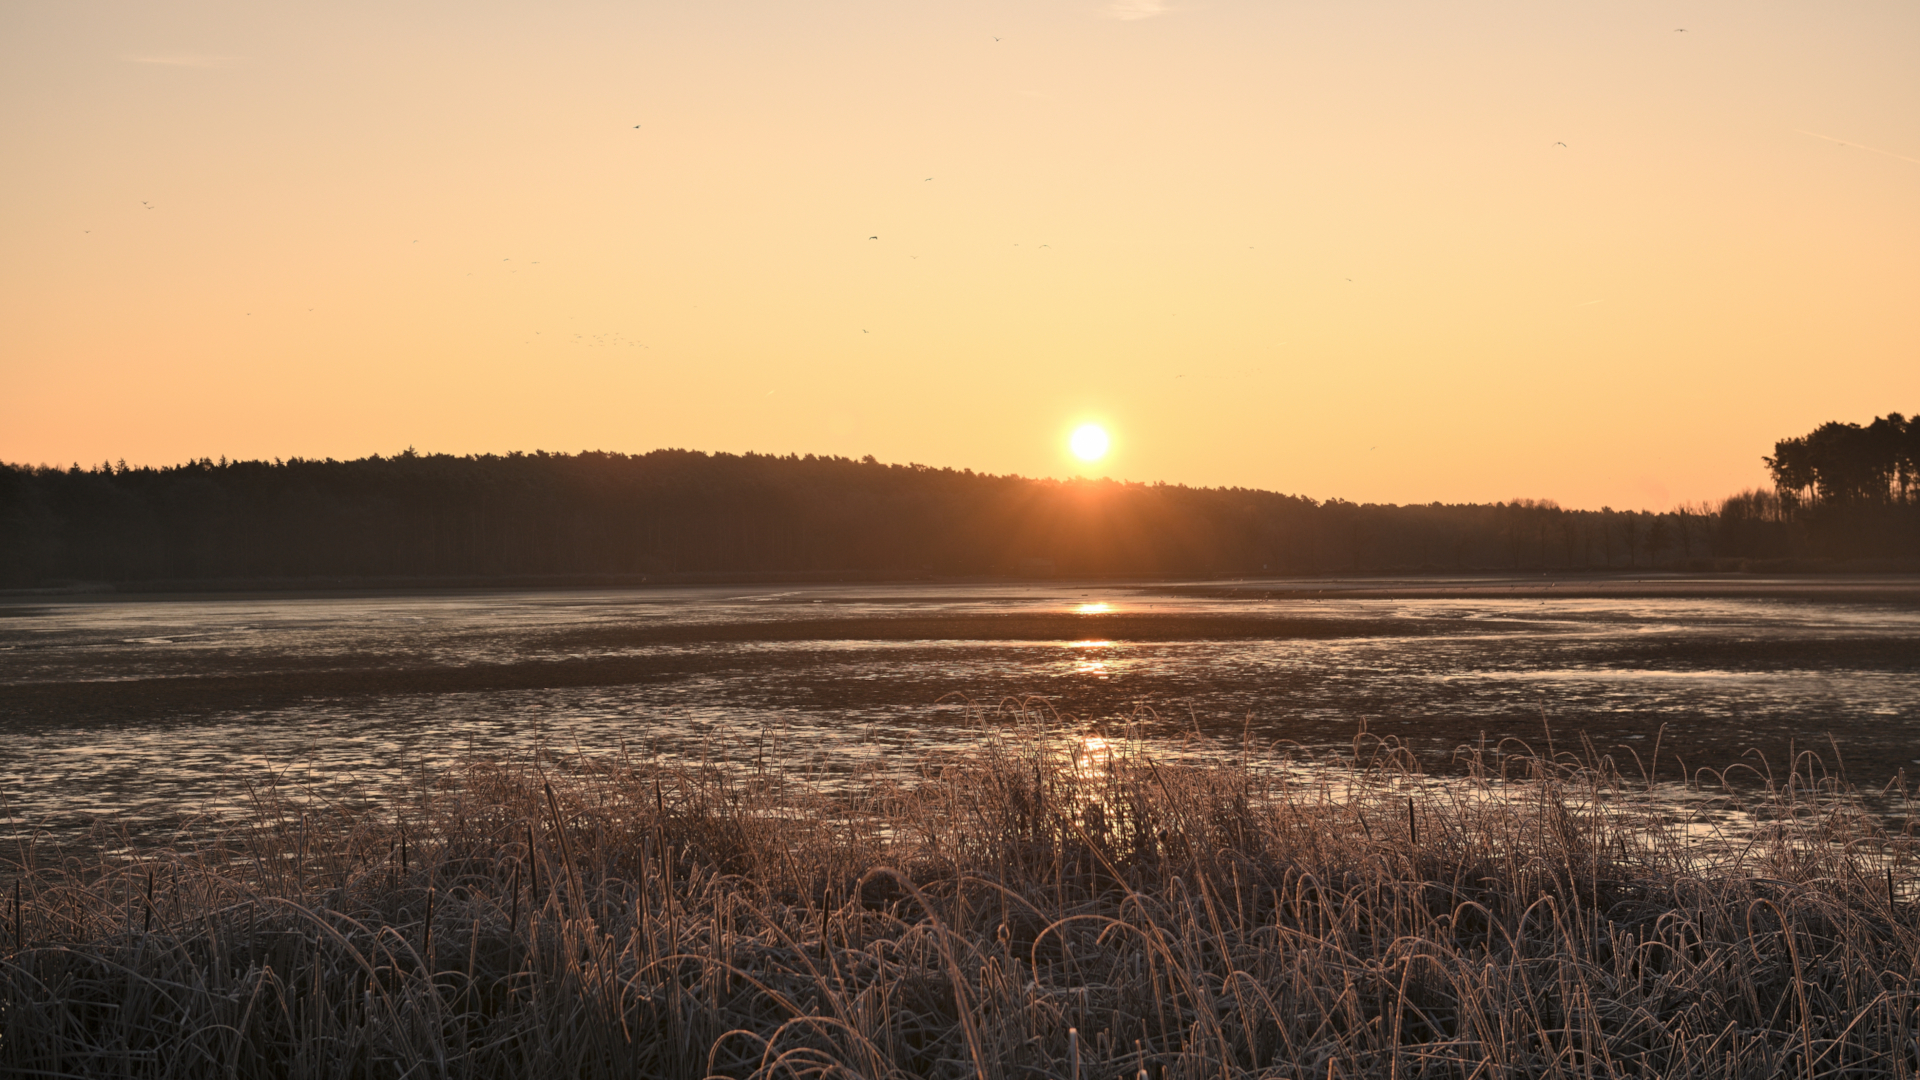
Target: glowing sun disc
x=1089, y=442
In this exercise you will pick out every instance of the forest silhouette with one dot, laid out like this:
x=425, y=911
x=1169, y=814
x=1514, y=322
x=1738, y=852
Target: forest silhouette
x=1844, y=495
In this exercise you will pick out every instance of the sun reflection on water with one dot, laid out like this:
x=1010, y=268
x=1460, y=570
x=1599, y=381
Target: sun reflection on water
x=1092, y=756
x=1091, y=663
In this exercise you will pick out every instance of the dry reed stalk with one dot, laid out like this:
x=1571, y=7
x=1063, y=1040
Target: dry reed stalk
x=1006, y=914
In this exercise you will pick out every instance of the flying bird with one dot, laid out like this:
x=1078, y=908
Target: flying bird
x=1559, y=144
x=873, y=238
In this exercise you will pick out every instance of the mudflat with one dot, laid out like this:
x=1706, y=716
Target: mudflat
x=114, y=702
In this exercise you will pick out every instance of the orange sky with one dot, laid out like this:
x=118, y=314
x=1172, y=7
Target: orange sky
x=1330, y=249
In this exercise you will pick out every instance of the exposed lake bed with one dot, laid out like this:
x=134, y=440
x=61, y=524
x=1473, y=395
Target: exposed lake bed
x=138, y=712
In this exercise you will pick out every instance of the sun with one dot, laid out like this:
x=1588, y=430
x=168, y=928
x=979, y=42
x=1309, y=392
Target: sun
x=1089, y=442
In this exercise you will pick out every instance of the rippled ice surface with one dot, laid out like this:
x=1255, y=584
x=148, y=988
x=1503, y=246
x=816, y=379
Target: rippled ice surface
x=221, y=692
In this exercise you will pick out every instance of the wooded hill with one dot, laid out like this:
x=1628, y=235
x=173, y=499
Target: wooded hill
x=675, y=513
x=685, y=515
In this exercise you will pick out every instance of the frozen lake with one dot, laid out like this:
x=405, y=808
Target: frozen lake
x=142, y=711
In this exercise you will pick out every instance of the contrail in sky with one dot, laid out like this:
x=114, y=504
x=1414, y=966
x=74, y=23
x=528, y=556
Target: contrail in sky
x=1137, y=9
x=1858, y=146
x=185, y=61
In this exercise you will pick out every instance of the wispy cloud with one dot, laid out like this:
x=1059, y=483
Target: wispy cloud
x=185, y=61
x=1130, y=10
x=1859, y=146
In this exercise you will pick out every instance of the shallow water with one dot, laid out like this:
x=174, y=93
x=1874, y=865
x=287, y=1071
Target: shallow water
x=143, y=712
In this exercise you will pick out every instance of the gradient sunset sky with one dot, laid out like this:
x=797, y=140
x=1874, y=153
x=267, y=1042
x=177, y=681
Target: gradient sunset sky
x=1334, y=249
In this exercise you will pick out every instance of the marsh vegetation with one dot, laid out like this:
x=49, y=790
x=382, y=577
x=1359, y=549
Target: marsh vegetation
x=1101, y=911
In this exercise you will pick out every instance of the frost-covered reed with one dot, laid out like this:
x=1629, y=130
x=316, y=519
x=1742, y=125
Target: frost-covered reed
x=1023, y=912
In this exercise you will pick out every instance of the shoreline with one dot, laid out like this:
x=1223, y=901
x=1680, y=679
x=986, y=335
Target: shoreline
x=1891, y=581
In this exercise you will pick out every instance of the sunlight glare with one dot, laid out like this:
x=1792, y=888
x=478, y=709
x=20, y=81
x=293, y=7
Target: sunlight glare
x=1090, y=442
x=1092, y=756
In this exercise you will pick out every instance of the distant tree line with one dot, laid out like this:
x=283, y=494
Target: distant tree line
x=679, y=515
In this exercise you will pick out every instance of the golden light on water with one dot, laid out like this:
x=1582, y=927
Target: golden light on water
x=1093, y=662
x=1089, y=442
x=1092, y=756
